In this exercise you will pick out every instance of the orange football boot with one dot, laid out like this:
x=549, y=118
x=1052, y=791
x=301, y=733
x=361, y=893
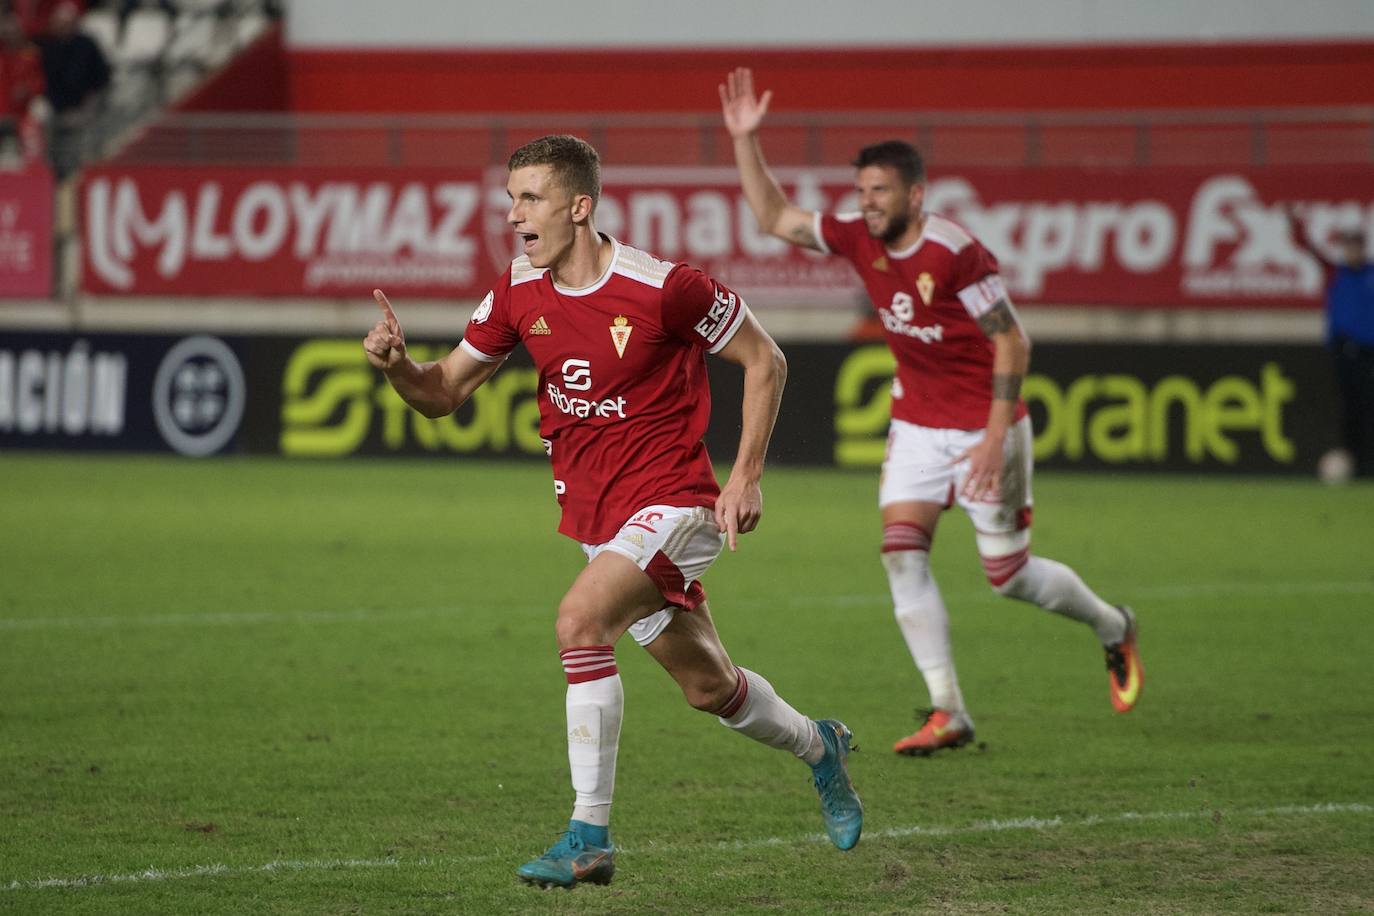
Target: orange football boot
x=942, y=729
x=1125, y=673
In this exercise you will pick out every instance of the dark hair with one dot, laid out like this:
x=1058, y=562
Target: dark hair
x=576, y=166
x=898, y=154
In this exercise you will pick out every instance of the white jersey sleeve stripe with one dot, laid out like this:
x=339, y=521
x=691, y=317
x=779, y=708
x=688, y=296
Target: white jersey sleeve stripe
x=730, y=328
x=983, y=295
x=478, y=354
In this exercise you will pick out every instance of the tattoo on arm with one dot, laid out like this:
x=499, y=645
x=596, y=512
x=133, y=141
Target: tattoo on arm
x=999, y=319
x=1006, y=386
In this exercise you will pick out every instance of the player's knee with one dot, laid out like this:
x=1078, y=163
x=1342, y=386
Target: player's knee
x=1004, y=556
x=578, y=626
x=708, y=691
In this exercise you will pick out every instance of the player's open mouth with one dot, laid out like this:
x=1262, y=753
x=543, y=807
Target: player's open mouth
x=527, y=239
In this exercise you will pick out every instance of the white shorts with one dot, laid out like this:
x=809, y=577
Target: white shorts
x=920, y=467
x=674, y=546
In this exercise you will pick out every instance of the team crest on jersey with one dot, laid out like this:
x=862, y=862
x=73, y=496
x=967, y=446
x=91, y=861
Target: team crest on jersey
x=540, y=327
x=620, y=334
x=925, y=285
x=881, y=263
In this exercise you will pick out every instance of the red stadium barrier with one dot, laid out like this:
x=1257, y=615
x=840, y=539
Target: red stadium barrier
x=1159, y=237
x=26, y=219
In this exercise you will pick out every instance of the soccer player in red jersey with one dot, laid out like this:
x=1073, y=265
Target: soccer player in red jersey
x=959, y=429
x=620, y=339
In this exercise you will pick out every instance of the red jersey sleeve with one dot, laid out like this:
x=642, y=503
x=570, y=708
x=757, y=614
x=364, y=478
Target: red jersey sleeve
x=490, y=335
x=973, y=275
x=840, y=233
x=699, y=309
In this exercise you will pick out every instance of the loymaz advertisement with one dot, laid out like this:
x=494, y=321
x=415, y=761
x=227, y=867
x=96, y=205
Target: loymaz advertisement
x=1193, y=408
x=1161, y=237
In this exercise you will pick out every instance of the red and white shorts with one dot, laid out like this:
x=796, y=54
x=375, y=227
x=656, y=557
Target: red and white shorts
x=920, y=467
x=674, y=546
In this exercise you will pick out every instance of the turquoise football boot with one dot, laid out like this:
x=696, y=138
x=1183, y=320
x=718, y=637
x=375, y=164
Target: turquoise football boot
x=840, y=805
x=582, y=853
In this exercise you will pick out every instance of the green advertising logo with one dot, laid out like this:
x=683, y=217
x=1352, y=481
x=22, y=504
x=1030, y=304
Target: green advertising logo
x=1114, y=418
x=332, y=399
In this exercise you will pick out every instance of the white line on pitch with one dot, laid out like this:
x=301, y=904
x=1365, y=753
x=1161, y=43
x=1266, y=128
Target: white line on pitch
x=244, y=618
x=984, y=826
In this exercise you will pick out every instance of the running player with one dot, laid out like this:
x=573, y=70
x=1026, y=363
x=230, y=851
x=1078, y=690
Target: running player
x=619, y=339
x=959, y=429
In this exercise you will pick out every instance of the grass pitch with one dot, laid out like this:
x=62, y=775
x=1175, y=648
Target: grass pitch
x=259, y=686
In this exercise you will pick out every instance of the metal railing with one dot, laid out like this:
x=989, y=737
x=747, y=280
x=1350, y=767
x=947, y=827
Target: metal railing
x=1309, y=136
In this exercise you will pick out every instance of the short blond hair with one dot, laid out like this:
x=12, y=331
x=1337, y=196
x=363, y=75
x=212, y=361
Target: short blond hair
x=576, y=166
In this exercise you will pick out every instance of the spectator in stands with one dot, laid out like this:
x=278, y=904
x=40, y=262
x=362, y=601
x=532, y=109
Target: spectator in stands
x=76, y=73
x=34, y=15
x=1350, y=336
x=125, y=7
x=22, y=105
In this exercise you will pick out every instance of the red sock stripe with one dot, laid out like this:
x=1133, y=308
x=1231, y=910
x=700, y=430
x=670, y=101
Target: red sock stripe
x=588, y=663
x=905, y=536
x=1000, y=569
x=737, y=698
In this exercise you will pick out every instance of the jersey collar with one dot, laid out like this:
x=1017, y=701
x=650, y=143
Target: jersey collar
x=914, y=246
x=601, y=281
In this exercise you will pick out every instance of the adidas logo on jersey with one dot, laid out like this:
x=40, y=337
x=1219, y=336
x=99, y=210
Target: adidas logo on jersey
x=540, y=327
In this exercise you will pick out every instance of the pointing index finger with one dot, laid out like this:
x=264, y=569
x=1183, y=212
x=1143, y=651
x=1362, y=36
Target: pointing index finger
x=387, y=313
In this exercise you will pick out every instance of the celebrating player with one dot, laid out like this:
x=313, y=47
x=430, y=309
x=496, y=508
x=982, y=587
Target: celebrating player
x=959, y=427
x=619, y=340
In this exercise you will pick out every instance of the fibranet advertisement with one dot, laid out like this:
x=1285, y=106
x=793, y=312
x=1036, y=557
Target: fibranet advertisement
x=1178, y=408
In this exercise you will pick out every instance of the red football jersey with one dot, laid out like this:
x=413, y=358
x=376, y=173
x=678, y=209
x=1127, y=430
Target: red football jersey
x=929, y=298
x=623, y=394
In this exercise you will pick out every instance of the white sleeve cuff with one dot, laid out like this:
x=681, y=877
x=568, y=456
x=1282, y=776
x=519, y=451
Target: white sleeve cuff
x=730, y=329
x=478, y=354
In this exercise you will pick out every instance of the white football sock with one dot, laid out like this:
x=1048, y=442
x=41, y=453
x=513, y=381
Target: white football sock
x=594, y=710
x=766, y=717
x=924, y=622
x=1057, y=588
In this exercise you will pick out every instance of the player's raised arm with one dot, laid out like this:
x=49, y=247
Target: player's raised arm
x=740, y=505
x=743, y=112
x=434, y=389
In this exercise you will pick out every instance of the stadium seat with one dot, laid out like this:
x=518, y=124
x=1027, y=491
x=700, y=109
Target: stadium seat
x=249, y=27
x=104, y=28
x=190, y=45
x=146, y=34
